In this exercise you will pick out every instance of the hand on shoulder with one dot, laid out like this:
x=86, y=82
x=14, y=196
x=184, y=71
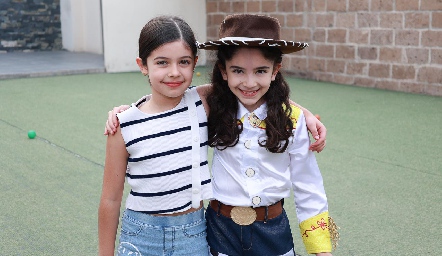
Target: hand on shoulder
x=112, y=120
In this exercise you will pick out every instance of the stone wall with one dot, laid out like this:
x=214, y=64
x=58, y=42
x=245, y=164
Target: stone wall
x=386, y=44
x=30, y=25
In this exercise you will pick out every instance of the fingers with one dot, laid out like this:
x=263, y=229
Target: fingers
x=320, y=142
x=113, y=115
x=318, y=146
x=112, y=120
x=109, y=128
x=322, y=132
x=315, y=134
x=314, y=125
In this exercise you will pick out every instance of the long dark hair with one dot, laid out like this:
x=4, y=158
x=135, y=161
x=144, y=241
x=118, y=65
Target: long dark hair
x=161, y=30
x=224, y=127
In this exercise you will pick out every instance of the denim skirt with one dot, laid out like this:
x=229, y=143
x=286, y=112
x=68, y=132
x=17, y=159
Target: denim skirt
x=143, y=234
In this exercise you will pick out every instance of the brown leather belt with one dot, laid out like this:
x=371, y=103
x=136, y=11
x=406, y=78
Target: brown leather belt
x=263, y=213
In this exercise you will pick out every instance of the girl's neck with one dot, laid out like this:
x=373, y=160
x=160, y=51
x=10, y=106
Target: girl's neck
x=253, y=107
x=158, y=104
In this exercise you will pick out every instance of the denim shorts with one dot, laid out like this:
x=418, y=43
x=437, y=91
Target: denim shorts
x=225, y=237
x=143, y=234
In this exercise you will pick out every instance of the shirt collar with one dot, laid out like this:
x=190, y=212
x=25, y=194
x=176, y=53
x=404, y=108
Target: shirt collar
x=260, y=112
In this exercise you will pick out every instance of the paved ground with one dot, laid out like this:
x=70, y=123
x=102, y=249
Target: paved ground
x=50, y=63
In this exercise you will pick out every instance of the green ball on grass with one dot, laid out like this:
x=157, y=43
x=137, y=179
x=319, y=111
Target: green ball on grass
x=31, y=134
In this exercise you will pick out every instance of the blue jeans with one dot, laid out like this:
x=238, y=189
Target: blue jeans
x=225, y=237
x=144, y=234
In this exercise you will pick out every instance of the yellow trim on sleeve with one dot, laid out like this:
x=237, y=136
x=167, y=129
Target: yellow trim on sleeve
x=315, y=234
x=296, y=112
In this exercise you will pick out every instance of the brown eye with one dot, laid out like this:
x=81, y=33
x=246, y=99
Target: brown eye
x=185, y=62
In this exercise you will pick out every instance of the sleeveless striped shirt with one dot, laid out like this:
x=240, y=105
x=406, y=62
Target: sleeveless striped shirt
x=160, y=156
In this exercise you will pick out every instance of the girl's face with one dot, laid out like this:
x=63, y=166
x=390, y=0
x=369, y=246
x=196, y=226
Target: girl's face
x=170, y=69
x=249, y=75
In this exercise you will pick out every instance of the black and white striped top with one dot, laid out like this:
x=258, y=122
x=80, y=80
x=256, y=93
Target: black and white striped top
x=160, y=164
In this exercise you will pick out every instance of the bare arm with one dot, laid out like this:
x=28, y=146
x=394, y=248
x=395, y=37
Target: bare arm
x=112, y=192
x=315, y=127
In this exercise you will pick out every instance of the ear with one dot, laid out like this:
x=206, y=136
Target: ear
x=143, y=68
x=276, y=70
x=196, y=61
x=223, y=71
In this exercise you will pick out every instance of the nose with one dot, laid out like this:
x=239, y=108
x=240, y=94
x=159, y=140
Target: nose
x=249, y=82
x=173, y=71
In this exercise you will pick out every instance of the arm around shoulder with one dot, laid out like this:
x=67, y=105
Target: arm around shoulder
x=315, y=127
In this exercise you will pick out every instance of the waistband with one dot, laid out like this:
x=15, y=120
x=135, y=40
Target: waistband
x=263, y=213
x=165, y=220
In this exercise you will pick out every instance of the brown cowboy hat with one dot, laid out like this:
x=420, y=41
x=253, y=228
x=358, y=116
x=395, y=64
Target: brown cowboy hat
x=252, y=30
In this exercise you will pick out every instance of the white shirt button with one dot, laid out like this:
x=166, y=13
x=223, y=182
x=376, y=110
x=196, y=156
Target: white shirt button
x=195, y=139
x=195, y=165
x=256, y=200
x=250, y=172
x=195, y=191
x=248, y=144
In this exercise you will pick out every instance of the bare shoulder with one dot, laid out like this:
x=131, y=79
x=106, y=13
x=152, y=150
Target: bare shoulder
x=203, y=91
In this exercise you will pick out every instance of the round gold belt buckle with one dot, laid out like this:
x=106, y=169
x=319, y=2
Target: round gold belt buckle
x=243, y=215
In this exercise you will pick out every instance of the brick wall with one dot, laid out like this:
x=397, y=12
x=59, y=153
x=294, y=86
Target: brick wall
x=387, y=44
x=30, y=25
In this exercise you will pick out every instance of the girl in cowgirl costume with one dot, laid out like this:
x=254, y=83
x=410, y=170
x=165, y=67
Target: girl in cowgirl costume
x=261, y=147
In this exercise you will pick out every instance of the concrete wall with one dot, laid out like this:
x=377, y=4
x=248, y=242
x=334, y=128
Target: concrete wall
x=123, y=21
x=81, y=26
x=393, y=45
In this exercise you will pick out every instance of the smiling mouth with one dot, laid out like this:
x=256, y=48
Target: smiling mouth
x=248, y=93
x=173, y=84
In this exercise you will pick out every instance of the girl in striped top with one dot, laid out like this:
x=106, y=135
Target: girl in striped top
x=161, y=149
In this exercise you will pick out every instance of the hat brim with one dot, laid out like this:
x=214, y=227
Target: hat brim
x=283, y=45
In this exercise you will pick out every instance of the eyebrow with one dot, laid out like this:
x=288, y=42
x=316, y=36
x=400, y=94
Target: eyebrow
x=183, y=57
x=262, y=67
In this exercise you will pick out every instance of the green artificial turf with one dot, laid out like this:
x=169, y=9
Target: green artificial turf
x=381, y=167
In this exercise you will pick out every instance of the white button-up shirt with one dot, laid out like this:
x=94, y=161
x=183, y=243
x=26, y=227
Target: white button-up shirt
x=249, y=175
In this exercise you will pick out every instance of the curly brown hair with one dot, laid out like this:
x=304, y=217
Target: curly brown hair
x=225, y=128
